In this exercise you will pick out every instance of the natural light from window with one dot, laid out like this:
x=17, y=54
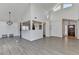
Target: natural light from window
x=57, y=7
x=66, y=5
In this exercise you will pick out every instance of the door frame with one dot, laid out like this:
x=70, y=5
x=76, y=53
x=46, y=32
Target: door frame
x=69, y=22
x=44, y=29
x=68, y=30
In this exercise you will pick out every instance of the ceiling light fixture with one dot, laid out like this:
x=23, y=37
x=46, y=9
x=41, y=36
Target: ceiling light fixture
x=9, y=22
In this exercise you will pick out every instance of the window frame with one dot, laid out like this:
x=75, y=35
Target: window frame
x=67, y=5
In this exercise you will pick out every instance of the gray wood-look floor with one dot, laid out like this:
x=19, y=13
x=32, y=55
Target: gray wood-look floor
x=45, y=46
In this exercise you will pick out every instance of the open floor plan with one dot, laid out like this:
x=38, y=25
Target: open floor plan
x=39, y=28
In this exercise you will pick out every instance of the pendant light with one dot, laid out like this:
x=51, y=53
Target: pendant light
x=9, y=22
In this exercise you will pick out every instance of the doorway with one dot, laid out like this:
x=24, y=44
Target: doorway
x=71, y=30
x=44, y=29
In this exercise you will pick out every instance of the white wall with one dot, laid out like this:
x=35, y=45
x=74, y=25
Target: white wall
x=32, y=35
x=6, y=29
x=36, y=34
x=26, y=35
x=56, y=27
x=56, y=19
x=27, y=13
x=33, y=12
x=37, y=12
x=47, y=29
x=78, y=29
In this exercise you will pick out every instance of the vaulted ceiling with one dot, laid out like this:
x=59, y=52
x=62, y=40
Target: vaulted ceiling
x=18, y=10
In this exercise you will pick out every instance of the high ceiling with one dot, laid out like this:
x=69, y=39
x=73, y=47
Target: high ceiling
x=18, y=10
x=44, y=6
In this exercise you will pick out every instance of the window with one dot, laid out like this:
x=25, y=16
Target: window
x=57, y=7
x=66, y=5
